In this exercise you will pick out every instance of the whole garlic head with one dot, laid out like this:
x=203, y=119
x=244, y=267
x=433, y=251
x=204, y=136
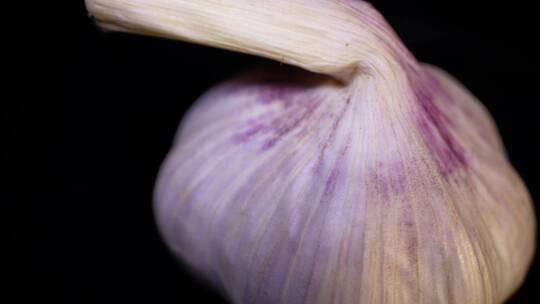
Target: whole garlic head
x=376, y=179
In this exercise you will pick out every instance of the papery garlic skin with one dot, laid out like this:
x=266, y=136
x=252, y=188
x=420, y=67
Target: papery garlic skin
x=311, y=193
x=389, y=186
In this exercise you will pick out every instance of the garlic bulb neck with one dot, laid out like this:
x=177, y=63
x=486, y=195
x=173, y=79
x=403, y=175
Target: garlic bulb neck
x=337, y=38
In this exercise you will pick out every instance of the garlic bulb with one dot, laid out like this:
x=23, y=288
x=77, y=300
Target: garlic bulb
x=363, y=177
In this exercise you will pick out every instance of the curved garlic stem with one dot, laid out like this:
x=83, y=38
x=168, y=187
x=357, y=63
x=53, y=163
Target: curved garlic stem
x=336, y=38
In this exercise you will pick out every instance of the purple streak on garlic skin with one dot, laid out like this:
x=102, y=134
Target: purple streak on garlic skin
x=290, y=108
x=391, y=184
x=436, y=128
x=331, y=137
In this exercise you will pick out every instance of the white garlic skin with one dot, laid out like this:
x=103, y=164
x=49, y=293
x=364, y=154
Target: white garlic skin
x=302, y=190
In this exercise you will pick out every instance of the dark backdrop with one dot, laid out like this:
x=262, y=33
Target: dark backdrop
x=88, y=118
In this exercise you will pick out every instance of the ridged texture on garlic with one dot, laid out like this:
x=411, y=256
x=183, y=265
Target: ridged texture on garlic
x=391, y=186
x=300, y=191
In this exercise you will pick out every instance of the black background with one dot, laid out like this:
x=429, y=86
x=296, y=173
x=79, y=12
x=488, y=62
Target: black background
x=87, y=118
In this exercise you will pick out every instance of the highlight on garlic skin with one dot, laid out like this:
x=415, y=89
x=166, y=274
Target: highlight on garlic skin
x=361, y=176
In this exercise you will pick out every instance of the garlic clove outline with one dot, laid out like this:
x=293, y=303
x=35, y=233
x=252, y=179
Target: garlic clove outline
x=377, y=180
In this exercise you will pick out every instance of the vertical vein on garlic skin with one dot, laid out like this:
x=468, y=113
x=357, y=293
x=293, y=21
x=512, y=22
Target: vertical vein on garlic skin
x=374, y=258
x=330, y=140
x=279, y=198
x=292, y=263
x=354, y=261
x=314, y=158
x=326, y=270
x=430, y=220
x=265, y=223
x=442, y=211
x=392, y=186
x=294, y=172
